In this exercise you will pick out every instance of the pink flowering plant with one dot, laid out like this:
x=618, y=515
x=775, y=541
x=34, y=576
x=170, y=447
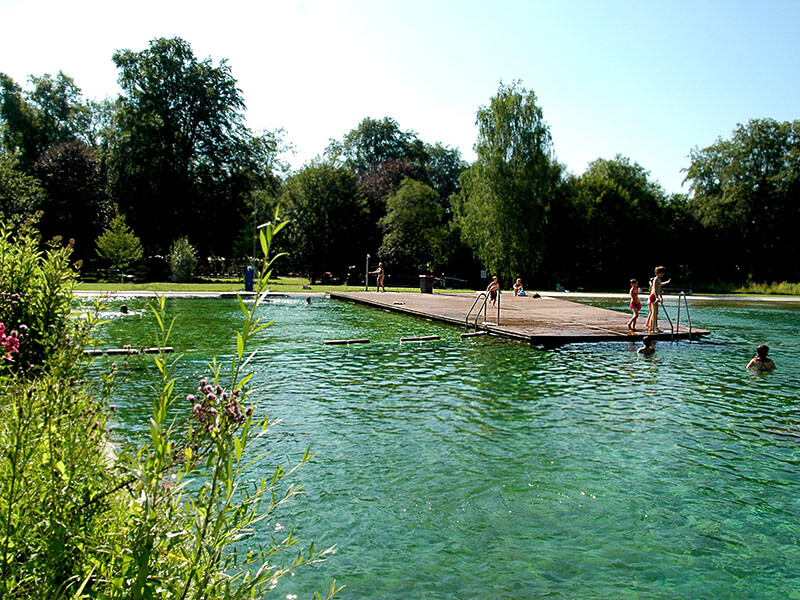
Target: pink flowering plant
x=9, y=343
x=36, y=296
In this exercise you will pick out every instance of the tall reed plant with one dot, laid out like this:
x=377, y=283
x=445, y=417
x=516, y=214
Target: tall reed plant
x=174, y=515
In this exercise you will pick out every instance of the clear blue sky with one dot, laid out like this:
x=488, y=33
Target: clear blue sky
x=649, y=80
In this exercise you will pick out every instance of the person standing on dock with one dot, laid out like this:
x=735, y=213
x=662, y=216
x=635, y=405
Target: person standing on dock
x=636, y=304
x=492, y=290
x=654, y=298
x=381, y=273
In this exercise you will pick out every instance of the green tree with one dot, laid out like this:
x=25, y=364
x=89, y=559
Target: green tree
x=327, y=212
x=745, y=193
x=21, y=195
x=414, y=229
x=372, y=143
x=77, y=206
x=182, y=151
x=182, y=260
x=443, y=167
x=52, y=113
x=118, y=244
x=617, y=209
x=506, y=193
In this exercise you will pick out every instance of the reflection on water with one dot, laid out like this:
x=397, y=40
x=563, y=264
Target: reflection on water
x=488, y=469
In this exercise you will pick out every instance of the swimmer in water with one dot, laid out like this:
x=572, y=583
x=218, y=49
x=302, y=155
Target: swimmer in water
x=648, y=346
x=760, y=362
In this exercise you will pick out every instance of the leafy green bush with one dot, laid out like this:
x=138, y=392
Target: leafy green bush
x=171, y=516
x=118, y=244
x=182, y=260
x=35, y=295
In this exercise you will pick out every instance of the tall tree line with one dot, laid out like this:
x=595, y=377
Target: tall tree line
x=173, y=155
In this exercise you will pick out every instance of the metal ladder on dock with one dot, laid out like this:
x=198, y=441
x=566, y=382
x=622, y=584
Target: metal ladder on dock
x=677, y=326
x=483, y=307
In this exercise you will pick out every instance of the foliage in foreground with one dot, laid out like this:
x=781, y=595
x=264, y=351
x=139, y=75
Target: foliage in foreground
x=172, y=515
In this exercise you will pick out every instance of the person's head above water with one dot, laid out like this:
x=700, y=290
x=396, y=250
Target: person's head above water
x=762, y=351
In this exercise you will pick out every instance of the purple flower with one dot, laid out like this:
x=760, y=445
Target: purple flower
x=190, y=397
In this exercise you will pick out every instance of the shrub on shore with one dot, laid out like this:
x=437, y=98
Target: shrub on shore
x=171, y=516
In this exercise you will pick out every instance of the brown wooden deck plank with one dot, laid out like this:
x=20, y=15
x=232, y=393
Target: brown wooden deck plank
x=547, y=321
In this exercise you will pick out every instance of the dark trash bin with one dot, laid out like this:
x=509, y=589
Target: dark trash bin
x=249, y=277
x=426, y=284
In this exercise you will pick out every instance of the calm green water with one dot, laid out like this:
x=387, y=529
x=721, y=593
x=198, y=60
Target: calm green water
x=488, y=469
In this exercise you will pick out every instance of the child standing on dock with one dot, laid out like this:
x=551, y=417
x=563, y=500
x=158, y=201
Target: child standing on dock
x=636, y=304
x=493, y=289
x=654, y=298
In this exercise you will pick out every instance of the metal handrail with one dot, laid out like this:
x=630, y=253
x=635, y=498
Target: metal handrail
x=485, y=297
x=682, y=294
x=671, y=326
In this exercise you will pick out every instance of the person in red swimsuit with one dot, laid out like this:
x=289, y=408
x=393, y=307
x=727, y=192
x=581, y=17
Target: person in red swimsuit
x=636, y=304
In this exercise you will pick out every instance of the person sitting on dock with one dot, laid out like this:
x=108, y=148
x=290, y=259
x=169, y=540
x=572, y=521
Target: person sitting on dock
x=518, y=290
x=492, y=290
x=760, y=362
x=648, y=346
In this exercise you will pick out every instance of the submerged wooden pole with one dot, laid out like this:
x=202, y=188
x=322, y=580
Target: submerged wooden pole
x=473, y=334
x=113, y=351
x=353, y=341
x=420, y=338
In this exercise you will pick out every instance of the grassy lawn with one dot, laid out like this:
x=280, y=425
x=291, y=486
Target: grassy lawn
x=295, y=285
x=277, y=286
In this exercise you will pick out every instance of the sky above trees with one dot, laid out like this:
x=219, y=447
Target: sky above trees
x=646, y=80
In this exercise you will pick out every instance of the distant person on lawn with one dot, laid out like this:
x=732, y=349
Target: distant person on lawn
x=381, y=273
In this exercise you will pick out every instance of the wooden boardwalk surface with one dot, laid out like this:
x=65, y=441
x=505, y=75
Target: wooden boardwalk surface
x=540, y=321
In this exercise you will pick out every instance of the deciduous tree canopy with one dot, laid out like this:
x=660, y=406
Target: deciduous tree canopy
x=746, y=193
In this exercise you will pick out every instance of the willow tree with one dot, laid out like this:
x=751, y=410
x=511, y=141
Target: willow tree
x=505, y=194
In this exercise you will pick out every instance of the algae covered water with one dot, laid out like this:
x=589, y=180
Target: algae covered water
x=489, y=469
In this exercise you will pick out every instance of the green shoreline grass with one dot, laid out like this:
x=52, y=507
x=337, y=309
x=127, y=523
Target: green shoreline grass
x=295, y=285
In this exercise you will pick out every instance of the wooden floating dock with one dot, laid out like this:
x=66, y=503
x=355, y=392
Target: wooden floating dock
x=539, y=321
